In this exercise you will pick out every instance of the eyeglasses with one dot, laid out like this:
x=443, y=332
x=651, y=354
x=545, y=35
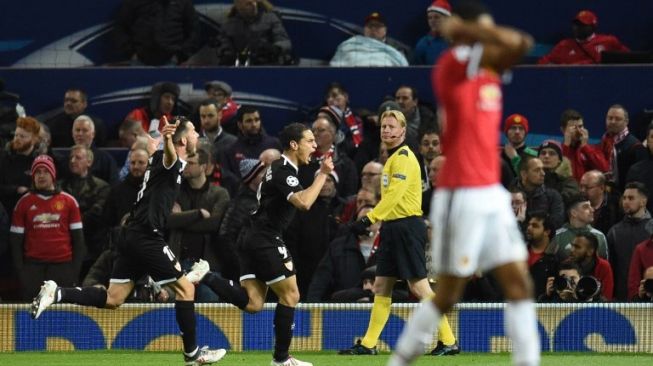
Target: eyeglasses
x=368, y=174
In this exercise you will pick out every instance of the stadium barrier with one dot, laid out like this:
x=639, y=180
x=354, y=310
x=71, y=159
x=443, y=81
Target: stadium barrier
x=318, y=327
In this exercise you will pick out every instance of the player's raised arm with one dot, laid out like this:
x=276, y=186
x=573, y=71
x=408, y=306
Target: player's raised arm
x=303, y=200
x=169, y=152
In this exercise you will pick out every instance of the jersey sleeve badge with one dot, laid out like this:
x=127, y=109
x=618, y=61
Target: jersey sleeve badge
x=292, y=181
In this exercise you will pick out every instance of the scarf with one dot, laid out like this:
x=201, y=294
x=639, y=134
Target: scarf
x=608, y=143
x=319, y=156
x=355, y=126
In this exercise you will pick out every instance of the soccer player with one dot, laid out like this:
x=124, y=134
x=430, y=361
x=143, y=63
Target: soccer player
x=403, y=237
x=143, y=250
x=473, y=226
x=264, y=259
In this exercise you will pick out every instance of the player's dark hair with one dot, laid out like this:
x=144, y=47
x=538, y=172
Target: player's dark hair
x=182, y=129
x=292, y=132
x=469, y=9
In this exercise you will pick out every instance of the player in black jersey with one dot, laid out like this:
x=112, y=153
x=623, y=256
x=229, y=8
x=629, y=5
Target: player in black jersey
x=265, y=261
x=142, y=249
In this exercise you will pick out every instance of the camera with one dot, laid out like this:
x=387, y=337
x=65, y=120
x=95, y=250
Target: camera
x=588, y=288
x=561, y=283
x=648, y=285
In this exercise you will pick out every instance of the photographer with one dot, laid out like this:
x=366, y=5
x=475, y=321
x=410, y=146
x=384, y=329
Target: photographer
x=562, y=288
x=645, y=292
x=584, y=254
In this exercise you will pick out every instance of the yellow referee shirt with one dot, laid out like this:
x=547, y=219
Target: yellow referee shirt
x=401, y=187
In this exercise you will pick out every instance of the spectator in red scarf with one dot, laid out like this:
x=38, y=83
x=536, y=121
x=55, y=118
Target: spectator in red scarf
x=621, y=149
x=352, y=126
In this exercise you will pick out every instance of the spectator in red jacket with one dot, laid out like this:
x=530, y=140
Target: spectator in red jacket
x=583, y=156
x=585, y=46
x=584, y=253
x=163, y=102
x=641, y=260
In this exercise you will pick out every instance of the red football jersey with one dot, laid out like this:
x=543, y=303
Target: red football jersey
x=470, y=107
x=46, y=223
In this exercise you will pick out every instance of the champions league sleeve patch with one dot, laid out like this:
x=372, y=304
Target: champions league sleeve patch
x=292, y=181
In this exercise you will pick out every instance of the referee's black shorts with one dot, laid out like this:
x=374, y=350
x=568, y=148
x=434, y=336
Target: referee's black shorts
x=401, y=250
x=141, y=253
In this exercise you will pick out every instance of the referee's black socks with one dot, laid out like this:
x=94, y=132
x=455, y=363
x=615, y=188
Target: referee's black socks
x=228, y=290
x=87, y=296
x=283, y=324
x=185, y=313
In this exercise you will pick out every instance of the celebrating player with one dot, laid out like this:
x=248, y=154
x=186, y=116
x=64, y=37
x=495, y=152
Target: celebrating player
x=142, y=249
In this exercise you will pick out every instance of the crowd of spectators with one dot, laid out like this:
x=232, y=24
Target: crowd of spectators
x=252, y=32
x=583, y=208
x=584, y=222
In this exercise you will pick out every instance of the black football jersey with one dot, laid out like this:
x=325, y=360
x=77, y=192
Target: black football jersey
x=157, y=195
x=274, y=212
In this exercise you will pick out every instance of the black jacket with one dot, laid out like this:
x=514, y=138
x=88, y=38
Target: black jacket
x=157, y=30
x=545, y=200
x=339, y=269
x=642, y=172
x=622, y=240
x=234, y=222
x=61, y=126
x=121, y=200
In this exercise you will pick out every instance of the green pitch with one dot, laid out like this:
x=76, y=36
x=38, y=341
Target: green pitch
x=120, y=358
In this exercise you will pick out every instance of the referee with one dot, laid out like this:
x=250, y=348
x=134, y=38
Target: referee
x=142, y=249
x=403, y=237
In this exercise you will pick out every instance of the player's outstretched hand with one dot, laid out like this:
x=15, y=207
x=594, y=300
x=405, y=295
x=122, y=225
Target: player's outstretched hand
x=169, y=128
x=327, y=165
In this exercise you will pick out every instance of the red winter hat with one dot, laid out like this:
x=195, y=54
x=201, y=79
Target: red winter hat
x=587, y=17
x=440, y=6
x=46, y=162
x=515, y=119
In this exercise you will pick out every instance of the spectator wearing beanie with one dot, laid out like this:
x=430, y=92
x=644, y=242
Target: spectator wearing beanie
x=430, y=46
x=249, y=169
x=515, y=127
x=16, y=160
x=46, y=236
x=550, y=153
x=237, y=215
